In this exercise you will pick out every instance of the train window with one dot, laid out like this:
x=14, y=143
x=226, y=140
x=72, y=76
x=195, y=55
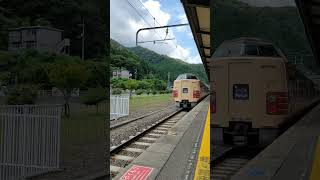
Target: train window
x=191, y=77
x=228, y=50
x=186, y=76
x=251, y=50
x=268, y=50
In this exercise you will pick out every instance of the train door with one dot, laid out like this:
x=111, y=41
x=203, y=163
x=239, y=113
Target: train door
x=243, y=100
x=185, y=89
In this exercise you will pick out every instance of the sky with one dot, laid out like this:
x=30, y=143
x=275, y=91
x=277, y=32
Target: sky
x=127, y=16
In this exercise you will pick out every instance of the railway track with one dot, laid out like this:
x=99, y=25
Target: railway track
x=114, y=126
x=123, y=154
x=227, y=165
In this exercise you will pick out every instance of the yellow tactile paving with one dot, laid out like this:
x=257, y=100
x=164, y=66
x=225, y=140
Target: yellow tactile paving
x=203, y=164
x=315, y=172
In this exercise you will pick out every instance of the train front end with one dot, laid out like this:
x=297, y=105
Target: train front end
x=186, y=91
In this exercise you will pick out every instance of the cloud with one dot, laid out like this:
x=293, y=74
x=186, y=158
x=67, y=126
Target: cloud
x=182, y=18
x=154, y=8
x=125, y=21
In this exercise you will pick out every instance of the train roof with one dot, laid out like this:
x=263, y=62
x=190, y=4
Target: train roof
x=246, y=40
x=187, y=76
x=249, y=47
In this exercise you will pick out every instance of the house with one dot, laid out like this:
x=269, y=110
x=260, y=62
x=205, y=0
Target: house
x=38, y=37
x=122, y=74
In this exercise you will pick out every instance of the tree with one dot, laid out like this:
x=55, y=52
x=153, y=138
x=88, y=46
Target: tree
x=95, y=96
x=118, y=83
x=131, y=84
x=143, y=84
x=97, y=74
x=67, y=77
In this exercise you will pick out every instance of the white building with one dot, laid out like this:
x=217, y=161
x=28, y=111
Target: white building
x=122, y=74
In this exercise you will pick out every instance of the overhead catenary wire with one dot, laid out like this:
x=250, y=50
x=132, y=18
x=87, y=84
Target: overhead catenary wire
x=156, y=21
x=135, y=9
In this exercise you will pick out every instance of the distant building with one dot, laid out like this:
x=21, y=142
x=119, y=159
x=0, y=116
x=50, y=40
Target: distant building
x=122, y=74
x=38, y=37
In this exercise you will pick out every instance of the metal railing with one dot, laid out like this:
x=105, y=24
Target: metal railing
x=119, y=106
x=29, y=140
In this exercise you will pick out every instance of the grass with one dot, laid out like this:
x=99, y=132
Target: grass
x=146, y=101
x=85, y=125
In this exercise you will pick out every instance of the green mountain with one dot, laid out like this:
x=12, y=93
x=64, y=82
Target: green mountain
x=154, y=64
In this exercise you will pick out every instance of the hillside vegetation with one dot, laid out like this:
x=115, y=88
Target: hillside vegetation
x=150, y=64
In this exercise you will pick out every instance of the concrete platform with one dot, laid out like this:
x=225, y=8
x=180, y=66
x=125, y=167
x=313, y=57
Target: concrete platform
x=174, y=156
x=295, y=155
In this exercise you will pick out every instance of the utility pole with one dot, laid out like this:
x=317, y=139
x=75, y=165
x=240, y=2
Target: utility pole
x=168, y=80
x=82, y=37
x=136, y=74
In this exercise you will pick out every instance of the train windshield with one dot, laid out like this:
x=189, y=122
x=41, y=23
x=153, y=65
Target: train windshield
x=228, y=50
x=236, y=49
x=186, y=76
x=268, y=50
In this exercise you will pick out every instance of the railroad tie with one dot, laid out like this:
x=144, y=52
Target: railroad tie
x=162, y=128
x=122, y=157
x=159, y=131
x=223, y=171
x=226, y=168
x=166, y=126
x=136, y=150
x=218, y=176
x=149, y=139
x=142, y=143
x=152, y=134
x=115, y=168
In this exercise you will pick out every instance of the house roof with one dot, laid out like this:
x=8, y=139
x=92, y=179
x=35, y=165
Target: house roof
x=35, y=27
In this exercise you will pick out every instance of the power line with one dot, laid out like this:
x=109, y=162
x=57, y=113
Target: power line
x=154, y=19
x=135, y=9
x=179, y=20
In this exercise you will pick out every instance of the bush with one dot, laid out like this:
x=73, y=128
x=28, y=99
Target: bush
x=22, y=94
x=94, y=97
x=148, y=92
x=162, y=92
x=139, y=91
x=116, y=91
x=154, y=92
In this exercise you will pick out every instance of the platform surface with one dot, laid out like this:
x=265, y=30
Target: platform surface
x=295, y=155
x=174, y=156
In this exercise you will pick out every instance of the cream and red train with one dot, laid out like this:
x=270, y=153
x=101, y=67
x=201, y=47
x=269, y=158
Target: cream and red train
x=249, y=91
x=188, y=90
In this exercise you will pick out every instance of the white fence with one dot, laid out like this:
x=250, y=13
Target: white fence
x=119, y=106
x=29, y=140
x=56, y=92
